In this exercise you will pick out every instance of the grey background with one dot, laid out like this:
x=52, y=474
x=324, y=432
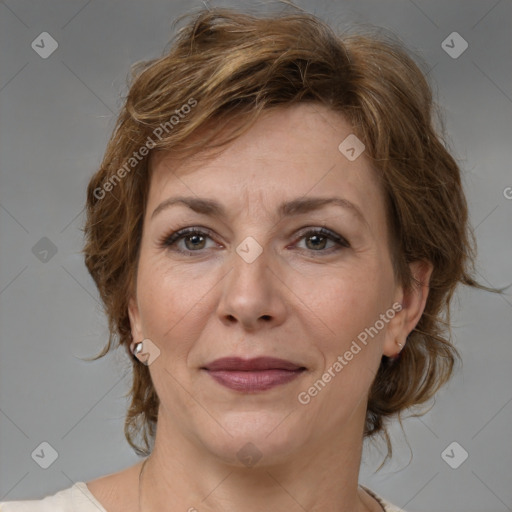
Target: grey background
x=56, y=116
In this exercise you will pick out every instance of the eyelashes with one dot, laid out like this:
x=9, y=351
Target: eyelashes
x=200, y=235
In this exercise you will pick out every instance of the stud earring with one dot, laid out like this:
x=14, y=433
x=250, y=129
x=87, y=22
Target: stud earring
x=396, y=357
x=135, y=347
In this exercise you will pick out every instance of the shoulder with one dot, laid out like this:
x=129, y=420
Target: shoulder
x=112, y=492
x=76, y=498
x=388, y=507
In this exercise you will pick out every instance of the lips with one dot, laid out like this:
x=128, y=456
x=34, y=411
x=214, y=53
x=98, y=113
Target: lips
x=252, y=375
x=259, y=363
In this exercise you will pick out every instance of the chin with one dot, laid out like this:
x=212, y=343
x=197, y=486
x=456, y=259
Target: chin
x=257, y=439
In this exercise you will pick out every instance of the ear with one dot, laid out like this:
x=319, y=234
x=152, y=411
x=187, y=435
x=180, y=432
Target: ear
x=413, y=303
x=135, y=323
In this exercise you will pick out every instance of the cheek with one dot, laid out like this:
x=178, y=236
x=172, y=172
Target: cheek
x=157, y=297
x=349, y=302
x=170, y=302
x=350, y=310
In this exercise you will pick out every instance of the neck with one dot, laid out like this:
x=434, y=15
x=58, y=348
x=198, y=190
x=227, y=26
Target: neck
x=182, y=475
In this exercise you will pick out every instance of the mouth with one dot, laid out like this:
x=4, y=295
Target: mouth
x=253, y=375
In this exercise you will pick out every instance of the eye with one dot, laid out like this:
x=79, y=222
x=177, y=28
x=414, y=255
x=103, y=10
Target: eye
x=317, y=238
x=195, y=240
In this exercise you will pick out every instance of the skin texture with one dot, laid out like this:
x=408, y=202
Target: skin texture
x=302, y=299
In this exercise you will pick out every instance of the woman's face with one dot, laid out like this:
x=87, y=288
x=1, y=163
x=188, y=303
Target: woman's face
x=261, y=281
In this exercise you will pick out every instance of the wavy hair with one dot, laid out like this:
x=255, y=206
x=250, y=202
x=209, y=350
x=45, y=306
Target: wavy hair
x=226, y=65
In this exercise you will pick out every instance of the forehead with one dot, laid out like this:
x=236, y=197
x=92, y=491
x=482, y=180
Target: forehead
x=289, y=152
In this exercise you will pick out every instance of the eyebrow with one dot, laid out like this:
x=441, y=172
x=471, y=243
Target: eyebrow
x=294, y=207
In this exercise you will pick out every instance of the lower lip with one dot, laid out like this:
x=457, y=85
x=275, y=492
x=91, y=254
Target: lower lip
x=251, y=382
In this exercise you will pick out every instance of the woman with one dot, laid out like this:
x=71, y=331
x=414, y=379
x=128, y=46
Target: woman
x=276, y=231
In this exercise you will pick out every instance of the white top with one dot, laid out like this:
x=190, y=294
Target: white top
x=78, y=498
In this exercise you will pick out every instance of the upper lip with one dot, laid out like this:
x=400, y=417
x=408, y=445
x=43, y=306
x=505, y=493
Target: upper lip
x=255, y=364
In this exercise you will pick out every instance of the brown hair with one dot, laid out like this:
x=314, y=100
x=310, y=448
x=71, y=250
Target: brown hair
x=227, y=65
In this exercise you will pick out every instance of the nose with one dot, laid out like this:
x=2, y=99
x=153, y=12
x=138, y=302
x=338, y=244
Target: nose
x=252, y=293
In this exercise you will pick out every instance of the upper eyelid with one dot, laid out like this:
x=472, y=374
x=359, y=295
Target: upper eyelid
x=332, y=235
x=207, y=231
